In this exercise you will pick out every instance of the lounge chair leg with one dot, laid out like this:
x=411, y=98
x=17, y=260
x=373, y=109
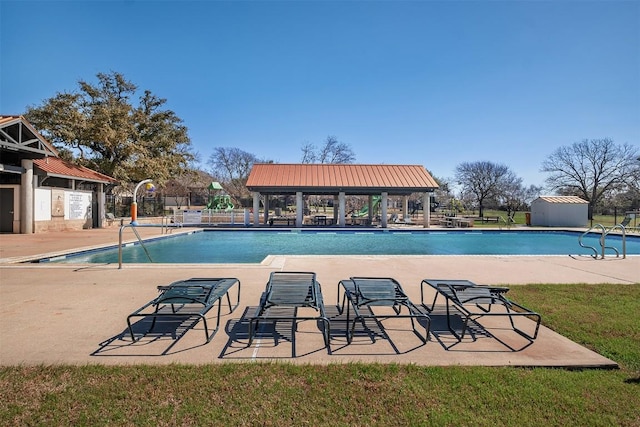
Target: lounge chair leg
x=252, y=328
x=326, y=332
x=206, y=329
x=133, y=337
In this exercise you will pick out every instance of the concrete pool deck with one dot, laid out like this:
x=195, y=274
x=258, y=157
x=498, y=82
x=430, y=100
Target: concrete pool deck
x=76, y=314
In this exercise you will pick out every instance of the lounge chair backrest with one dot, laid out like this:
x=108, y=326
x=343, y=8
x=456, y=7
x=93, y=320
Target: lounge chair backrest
x=203, y=291
x=292, y=288
x=377, y=291
x=473, y=294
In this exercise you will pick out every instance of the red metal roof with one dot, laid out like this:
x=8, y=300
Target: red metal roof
x=57, y=167
x=563, y=199
x=332, y=178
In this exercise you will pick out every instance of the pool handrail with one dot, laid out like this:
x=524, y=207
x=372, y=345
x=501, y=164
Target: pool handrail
x=121, y=244
x=603, y=235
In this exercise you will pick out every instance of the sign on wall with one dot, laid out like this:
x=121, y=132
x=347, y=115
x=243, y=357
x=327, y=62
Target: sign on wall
x=77, y=204
x=192, y=217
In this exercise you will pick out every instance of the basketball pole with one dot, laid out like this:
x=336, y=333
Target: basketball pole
x=134, y=204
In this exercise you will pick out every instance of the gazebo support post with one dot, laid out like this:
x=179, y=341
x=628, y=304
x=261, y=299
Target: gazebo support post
x=256, y=208
x=383, y=205
x=265, y=217
x=426, y=209
x=341, y=209
x=405, y=208
x=299, y=209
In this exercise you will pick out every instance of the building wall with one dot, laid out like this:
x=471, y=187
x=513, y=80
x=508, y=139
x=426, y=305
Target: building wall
x=57, y=224
x=59, y=209
x=547, y=214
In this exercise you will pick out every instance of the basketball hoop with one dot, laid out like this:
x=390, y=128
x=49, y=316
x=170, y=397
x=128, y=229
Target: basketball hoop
x=150, y=189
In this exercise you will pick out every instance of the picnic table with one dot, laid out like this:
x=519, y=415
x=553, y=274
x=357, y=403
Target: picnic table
x=490, y=218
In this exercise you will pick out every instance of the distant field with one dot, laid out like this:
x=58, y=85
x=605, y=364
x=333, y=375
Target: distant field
x=520, y=218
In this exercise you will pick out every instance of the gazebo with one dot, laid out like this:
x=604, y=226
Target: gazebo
x=339, y=180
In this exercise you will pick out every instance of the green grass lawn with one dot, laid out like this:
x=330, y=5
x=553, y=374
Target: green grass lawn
x=520, y=219
x=604, y=318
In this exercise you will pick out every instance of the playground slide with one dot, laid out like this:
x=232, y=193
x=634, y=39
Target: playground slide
x=220, y=203
x=365, y=209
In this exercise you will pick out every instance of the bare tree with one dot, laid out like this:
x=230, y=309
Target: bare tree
x=484, y=180
x=232, y=167
x=591, y=168
x=515, y=196
x=309, y=153
x=332, y=151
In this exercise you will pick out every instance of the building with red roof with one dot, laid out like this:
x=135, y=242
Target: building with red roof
x=39, y=191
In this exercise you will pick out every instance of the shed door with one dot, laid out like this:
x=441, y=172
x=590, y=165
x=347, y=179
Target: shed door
x=6, y=210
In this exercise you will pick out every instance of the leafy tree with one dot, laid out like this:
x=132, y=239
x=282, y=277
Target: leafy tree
x=591, y=169
x=232, y=167
x=100, y=128
x=332, y=151
x=484, y=180
x=442, y=196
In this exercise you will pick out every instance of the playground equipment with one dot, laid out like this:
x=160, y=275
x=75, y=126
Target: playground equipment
x=365, y=209
x=220, y=202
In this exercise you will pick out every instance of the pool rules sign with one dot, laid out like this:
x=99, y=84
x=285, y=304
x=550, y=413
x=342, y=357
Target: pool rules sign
x=78, y=204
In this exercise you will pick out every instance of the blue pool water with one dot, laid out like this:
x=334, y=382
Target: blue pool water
x=253, y=246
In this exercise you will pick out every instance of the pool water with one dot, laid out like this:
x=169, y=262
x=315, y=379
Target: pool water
x=239, y=246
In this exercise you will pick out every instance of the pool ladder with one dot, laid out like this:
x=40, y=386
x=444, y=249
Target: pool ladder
x=604, y=231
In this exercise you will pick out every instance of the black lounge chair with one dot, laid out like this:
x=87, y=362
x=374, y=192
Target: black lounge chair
x=475, y=301
x=290, y=290
x=363, y=293
x=189, y=298
x=626, y=224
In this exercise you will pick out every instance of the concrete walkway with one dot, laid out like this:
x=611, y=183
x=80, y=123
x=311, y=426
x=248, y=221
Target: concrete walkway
x=76, y=314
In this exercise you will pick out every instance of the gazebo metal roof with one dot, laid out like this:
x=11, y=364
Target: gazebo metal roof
x=355, y=179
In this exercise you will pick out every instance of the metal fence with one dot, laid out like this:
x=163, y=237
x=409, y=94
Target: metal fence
x=211, y=217
x=121, y=206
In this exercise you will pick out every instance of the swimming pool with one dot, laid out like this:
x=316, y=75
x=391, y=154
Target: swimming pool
x=240, y=246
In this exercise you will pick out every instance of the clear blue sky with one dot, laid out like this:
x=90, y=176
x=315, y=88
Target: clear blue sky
x=419, y=82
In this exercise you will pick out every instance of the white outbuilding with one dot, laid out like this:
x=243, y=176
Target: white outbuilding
x=559, y=211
